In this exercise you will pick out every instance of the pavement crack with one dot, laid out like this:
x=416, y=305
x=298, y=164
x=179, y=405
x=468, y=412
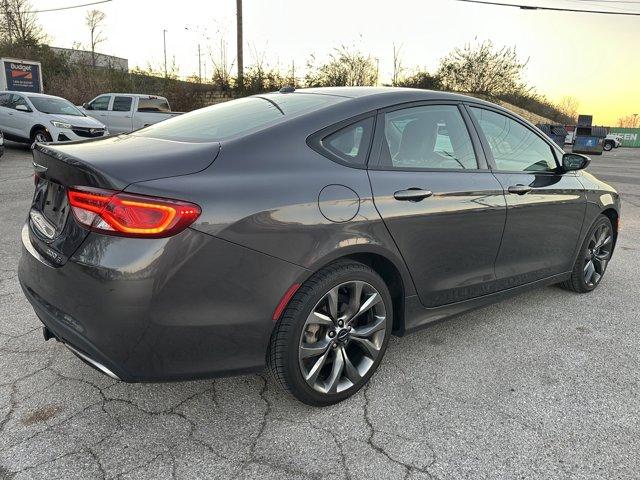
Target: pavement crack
x=370, y=439
x=12, y=408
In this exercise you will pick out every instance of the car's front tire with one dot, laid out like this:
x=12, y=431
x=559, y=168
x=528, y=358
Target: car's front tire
x=608, y=146
x=593, y=258
x=41, y=136
x=333, y=334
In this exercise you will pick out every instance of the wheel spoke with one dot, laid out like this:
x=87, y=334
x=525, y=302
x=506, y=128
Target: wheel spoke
x=601, y=237
x=318, y=318
x=367, y=330
x=367, y=345
x=312, y=376
x=331, y=385
x=589, y=269
x=601, y=263
x=350, y=370
x=373, y=300
x=313, y=349
x=356, y=296
x=332, y=300
x=608, y=239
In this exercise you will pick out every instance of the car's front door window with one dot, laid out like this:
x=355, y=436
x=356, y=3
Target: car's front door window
x=100, y=103
x=515, y=148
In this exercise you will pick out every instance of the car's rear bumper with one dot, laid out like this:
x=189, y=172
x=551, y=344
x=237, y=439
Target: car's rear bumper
x=189, y=306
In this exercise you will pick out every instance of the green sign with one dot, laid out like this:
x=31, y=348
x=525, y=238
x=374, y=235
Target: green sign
x=630, y=136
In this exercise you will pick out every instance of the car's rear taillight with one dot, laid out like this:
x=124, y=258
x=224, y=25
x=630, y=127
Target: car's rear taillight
x=130, y=215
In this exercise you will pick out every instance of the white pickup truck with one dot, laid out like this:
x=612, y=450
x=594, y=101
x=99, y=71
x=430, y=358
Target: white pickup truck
x=126, y=112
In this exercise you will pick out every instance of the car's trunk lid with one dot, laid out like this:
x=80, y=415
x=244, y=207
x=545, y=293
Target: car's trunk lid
x=111, y=163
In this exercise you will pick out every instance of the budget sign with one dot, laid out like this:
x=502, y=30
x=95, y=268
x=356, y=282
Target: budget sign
x=22, y=75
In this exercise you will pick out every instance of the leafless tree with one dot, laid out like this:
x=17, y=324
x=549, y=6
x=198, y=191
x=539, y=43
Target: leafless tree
x=19, y=24
x=569, y=106
x=345, y=68
x=483, y=68
x=95, y=21
x=629, y=121
x=397, y=65
x=222, y=67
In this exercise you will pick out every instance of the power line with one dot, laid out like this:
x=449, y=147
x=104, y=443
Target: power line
x=609, y=1
x=58, y=9
x=598, y=3
x=555, y=9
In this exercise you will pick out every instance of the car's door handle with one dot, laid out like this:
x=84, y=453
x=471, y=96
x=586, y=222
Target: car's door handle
x=412, y=194
x=519, y=189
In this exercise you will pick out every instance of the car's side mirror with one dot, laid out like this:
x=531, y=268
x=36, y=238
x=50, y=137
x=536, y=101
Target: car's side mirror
x=86, y=106
x=23, y=108
x=574, y=161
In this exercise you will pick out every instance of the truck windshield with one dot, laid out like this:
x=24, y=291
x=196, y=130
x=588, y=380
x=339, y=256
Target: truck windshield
x=56, y=106
x=236, y=117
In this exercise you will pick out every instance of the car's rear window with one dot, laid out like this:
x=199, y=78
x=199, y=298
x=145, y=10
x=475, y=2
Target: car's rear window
x=236, y=117
x=153, y=105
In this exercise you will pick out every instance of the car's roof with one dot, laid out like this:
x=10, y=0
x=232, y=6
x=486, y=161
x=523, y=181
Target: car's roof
x=31, y=94
x=379, y=97
x=140, y=95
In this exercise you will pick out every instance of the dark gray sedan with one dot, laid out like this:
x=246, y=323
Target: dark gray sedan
x=299, y=230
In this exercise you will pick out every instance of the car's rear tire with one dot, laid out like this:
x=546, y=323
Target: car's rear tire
x=333, y=334
x=608, y=146
x=595, y=253
x=41, y=135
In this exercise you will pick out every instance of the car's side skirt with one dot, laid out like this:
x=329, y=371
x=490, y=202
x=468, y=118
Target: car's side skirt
x=416, y=316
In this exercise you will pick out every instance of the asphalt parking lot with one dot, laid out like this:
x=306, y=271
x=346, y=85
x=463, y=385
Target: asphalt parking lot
x=545, y=385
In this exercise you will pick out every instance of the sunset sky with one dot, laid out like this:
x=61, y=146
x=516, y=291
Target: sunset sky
x=595, y=58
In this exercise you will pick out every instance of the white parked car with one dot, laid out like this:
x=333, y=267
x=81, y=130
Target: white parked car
x=611, y=141
x=35, y=117
x=126, y=112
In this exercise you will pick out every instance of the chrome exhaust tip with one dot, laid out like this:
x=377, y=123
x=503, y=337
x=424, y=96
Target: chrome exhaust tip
x=93, y=363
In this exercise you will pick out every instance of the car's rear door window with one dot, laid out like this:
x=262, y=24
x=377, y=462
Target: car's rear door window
x=121, y=104
x=431, y=137
x=515, y=148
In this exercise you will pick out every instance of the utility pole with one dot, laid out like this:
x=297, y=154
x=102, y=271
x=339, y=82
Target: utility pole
x=164, y=41
x=199, y=64
x=9, y=20
x=239, y=45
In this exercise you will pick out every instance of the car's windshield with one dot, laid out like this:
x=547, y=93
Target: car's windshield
x=237, y=117
x=56, y=106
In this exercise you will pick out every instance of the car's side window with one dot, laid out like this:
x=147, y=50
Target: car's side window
x=351, y=143
x=18, y=100
x=100, y=103
x=514, y=147
x=427, y=137
x=4, y=100
x=121, y=104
